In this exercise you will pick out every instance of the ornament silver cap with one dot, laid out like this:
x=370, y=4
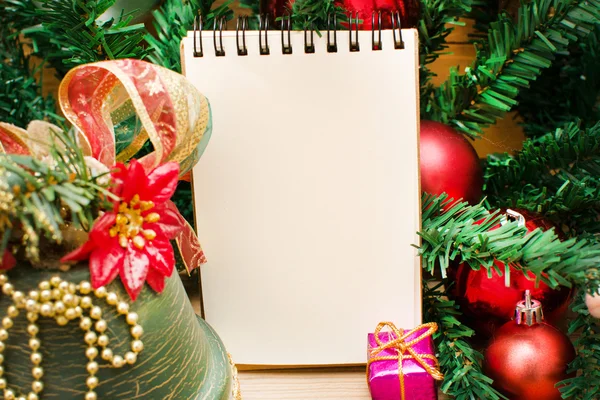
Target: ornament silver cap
x=529, y=311
x=512, y=215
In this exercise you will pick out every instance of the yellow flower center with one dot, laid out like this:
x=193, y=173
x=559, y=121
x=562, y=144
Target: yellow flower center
x=129, y=225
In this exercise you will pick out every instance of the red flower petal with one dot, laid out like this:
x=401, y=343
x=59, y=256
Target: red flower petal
x=118, y=176
x=134, y=271
x=7, y=261
x=162, y=182
x=155, y=280
x=100, y=231
x=105, y=263
x=171, y=220
x=81, y=253
x=162, y=258
x=135, y=182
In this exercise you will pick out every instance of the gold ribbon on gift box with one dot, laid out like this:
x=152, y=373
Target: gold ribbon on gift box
x=404, y=350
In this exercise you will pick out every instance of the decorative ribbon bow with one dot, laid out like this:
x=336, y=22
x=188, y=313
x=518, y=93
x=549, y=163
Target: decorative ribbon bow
x=402, y=347
x=118, y=105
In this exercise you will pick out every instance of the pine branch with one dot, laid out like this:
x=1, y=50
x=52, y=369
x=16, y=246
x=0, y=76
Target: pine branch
x=555, y=175
x=71, y=34
x=483, y=13
x=585, y=386
x=549, y=104
x=34, y=195
x=512, y=57
x=313, y=14
x=21, y=99
x=438, y=18
x=19, y=14
x=452, y=235
x=252, y=5
x=172, y=22
x=459, y=362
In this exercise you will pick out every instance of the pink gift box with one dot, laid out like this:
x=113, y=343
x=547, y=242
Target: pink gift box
x=383, y=376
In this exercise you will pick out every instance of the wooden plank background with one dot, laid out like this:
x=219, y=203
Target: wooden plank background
x=350, y=383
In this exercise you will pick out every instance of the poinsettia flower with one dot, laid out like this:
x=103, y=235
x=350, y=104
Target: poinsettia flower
x=132, y=240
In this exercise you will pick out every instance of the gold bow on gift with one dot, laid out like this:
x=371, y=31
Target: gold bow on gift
x=402, y=347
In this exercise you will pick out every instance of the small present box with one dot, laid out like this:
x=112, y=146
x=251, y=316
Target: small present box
x=401, y=364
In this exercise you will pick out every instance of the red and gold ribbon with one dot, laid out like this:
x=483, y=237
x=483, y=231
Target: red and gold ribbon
x=164, y=106
x=404, y=350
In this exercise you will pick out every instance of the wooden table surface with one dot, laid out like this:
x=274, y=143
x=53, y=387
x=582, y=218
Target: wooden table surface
x=314, y=384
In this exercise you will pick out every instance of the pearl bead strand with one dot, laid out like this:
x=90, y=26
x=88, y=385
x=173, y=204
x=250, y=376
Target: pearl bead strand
x=64, y=302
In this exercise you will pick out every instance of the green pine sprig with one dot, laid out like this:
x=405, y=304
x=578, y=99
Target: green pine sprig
x=555, y=175
x=314, y=14
x=514, y=54
x=172, y=22
x=35, y=195
x=252, y=5
x=548, y=105
x=21, y=98
x=463, y=232
x=460, y=363
x=438, y=19
x=71, y=33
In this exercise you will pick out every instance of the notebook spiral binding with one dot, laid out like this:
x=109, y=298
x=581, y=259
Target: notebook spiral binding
x=286, y=28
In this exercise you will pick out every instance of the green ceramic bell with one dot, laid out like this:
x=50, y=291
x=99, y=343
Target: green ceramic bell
x=182, y=358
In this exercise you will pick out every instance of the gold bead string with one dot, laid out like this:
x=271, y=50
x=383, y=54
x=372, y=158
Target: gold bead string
x=64, y=302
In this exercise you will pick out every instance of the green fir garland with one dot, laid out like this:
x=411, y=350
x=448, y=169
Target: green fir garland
x=514, y=54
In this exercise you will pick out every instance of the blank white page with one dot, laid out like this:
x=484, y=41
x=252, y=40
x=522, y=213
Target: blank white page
x=307, y=196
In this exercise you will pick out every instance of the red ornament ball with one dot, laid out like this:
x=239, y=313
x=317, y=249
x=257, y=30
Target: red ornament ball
x=487, y=303
x=526, y=362
x=276, y=8
x=408, y=9
x=449, y=163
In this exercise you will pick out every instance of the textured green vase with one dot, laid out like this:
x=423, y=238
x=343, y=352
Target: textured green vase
x=183, y=358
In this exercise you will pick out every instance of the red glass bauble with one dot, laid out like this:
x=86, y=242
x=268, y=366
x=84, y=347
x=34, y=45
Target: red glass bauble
x=408, y=9
x=526, y=362
x=487, y=303
x=449, y=163
x=276, y=8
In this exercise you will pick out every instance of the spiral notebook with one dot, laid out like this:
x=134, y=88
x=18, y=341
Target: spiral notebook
x=307, y=197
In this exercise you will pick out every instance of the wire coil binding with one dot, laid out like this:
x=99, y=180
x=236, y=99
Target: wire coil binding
x=198, y=52
x=332, y=23
x=242, y=27
x=286, y=25
x=219, y=50
x=353, y=27
x=242, y=23
x=309, y=47
x=263, y=25
x=376, y=44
